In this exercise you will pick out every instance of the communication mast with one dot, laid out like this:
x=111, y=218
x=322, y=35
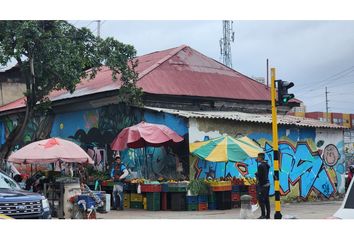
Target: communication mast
x=225, y=42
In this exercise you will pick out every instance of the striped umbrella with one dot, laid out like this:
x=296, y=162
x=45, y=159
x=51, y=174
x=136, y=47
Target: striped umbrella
x=225, y=148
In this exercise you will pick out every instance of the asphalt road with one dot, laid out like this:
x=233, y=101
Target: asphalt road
x=306, y=210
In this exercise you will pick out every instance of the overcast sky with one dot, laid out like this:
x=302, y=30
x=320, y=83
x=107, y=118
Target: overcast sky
x=312, y=54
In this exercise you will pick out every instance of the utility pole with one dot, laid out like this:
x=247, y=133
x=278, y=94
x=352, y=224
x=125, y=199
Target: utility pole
x=277, y=214
x=267, y=72
x=326, y=105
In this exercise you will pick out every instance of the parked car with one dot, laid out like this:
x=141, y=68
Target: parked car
x=18, y=203
x=346, y=211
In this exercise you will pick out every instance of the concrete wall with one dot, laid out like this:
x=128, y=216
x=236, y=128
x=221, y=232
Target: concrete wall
x=312, y=160
x=10, y=92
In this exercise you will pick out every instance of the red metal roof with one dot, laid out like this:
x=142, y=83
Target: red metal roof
x=179, y=71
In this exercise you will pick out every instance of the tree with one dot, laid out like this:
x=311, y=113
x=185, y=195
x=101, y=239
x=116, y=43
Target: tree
x=55, y=55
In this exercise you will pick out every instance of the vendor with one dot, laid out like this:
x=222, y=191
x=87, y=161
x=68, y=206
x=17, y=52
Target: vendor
x=118, y=174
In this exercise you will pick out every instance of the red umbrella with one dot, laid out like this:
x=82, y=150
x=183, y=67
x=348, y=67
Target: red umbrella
x=145, y=134
x=50, y=151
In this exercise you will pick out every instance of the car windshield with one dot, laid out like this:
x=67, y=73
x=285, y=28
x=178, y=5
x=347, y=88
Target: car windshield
x=7, y=182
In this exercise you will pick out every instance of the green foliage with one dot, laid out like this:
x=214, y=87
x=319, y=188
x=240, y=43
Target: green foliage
x=198, y=187
x=62, y=55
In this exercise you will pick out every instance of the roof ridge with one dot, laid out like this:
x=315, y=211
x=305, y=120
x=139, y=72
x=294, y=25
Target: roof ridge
x=173, y=52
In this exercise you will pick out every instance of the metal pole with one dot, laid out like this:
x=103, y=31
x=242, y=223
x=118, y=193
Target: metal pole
x=277, y=214
x=267, y=72
x=326, y=106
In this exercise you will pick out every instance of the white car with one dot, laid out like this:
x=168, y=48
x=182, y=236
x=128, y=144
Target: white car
x=346, y=211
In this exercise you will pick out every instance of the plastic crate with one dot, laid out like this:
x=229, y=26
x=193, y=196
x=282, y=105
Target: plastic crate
x=178, y=185
x=244, y=189
x=212, y=206
x=177, y=189
x=126, y=205
x=202, y=206
x=153, y=201
x=235, y=188
x=203, y=199
x=150, y=188
x=136, y=205
x=126, y=197
x=212, y=198
x=220, y=184
x=135, y=197
x=192, y=200
x=164, y=187
x=235, y=197
x=223, y=200
x=164, y=201
x=192, y=207
x=178, y=202
x=221, y=188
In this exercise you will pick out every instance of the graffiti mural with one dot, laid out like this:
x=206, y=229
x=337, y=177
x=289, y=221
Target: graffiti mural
x=298, y=165
x=95, y=129
x=311, y=160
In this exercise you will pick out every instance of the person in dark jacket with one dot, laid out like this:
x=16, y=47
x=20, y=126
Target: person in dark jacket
x=263, y=186
x=118, y=174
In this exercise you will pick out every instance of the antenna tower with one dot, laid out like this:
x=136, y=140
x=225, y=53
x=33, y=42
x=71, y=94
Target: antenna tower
x=225, y=42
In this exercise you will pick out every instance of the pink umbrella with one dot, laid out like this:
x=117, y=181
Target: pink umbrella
x=50, y=151
x=145, y=134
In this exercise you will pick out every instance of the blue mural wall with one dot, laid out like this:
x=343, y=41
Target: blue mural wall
x=311, y=161
x=95, y=129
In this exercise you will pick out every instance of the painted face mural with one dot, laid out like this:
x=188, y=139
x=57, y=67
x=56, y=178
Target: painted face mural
x=331, y=155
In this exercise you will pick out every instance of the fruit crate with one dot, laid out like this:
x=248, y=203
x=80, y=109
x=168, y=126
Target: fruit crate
x=235, y=188
x=137, y=205
x=150, y=188
x=192, y=207
x=212, y=206
x=178, y=202
x=192, y=200
x=220, y=184
x=126, y=197
x=164, y=187
x=135, y=197
x=177, y=189
x=221, y=188
x=153, y=205
x=252, y=188
x=212, y=198
x=223, y=200
x=203, y=199
x=178, y=185
x=235, y=197
x=126, y=205
x=202, y=206
x=164, y=201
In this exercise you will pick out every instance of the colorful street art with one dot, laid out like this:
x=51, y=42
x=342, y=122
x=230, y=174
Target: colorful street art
x=298, y=165
x=311, y=160
x=95, y=129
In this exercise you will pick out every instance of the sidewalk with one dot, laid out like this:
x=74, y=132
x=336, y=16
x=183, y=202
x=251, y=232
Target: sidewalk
x=306, y=210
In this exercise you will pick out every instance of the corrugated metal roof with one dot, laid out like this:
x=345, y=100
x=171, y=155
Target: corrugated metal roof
x=180, y=71
x=249, y=117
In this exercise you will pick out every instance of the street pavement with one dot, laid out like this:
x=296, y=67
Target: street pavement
x=304, y=210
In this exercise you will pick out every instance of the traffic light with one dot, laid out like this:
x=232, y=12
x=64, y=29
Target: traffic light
x=283, y=95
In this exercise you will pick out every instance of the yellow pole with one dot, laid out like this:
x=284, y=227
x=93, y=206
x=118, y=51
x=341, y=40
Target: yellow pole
x=277, y=214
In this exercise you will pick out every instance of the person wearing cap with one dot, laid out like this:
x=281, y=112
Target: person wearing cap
x=118, y=174
x=263, y=186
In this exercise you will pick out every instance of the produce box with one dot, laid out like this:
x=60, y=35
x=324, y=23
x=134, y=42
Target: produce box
x=192, y=207
x=137, y=205
x=178, y=202
x=164, y=187
x=150, y=188
x=192, y=200
x=203, y=199
x=164, y=201
x=212, y=198
x=212, y=206
x=235, y=197
x=136, y=197
x=220, y=183
x=202, y=206
x=235, y=188
x=221, y=188
x=153, y=201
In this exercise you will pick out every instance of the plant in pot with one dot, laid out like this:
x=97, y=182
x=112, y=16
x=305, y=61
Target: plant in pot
x=197, y=187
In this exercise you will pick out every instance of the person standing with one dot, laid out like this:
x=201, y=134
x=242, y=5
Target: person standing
x=118, y=174
x=263, y=186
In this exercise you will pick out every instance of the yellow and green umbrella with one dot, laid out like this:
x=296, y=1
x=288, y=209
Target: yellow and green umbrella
x=225, y=148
